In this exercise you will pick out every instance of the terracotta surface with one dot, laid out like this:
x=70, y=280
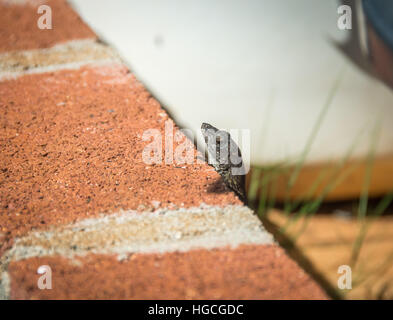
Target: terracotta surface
x=72, y=148
x=249, y=272
x=19, y=30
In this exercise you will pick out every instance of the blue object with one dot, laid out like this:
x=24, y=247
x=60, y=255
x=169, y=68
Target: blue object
x=380, y=14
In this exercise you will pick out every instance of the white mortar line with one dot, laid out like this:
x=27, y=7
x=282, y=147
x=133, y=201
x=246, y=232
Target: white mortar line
x=59, y=67
x=77, y=53
x=128, y=232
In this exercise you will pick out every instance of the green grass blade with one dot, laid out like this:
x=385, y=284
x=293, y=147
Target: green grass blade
x=288, y=207
x=263, y=193
x=311, y=207
x=363, y=202
x=254, y=185
x=315, y=130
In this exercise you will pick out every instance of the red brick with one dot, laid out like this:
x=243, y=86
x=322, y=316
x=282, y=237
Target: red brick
x=71, y=148
x=248, y=272
x=19, y=30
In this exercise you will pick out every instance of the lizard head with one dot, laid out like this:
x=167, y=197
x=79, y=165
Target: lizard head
x=222, y=150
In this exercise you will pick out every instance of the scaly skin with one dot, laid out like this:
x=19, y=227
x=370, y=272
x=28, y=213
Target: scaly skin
x=222, y=150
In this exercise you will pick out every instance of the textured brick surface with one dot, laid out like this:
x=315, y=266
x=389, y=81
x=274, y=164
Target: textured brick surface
x=68, y=55
x=159, y=231
x=19, y=30
x=75, y=193
x=72, y=148
x=248, y=272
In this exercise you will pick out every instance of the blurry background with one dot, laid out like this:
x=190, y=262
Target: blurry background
x=227, y=61
x=320, y=119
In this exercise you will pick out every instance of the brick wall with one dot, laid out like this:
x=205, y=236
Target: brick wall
x=75, y=194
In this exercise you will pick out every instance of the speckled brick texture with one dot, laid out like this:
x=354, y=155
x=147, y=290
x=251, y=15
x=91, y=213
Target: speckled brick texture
x=19, y=29
x=72, y=148
x=75, y=193
x=248, y=272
